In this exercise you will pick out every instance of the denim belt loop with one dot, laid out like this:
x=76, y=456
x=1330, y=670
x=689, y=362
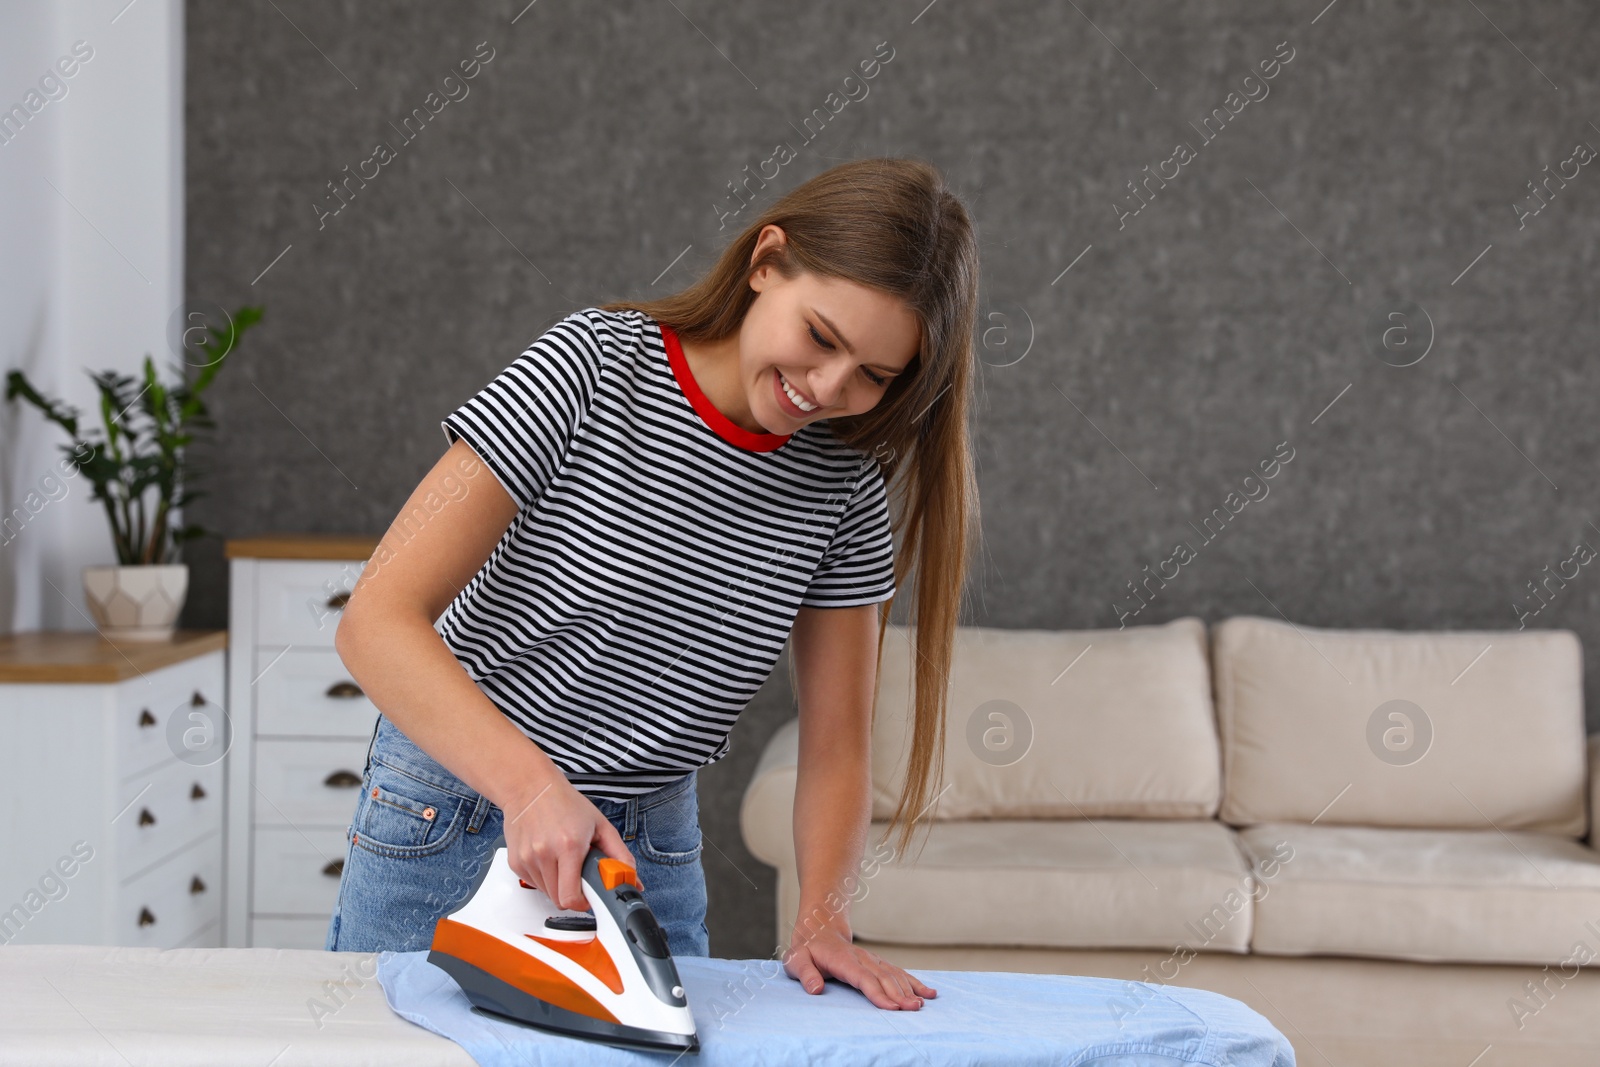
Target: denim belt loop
x=480, y=812
x=630, y=818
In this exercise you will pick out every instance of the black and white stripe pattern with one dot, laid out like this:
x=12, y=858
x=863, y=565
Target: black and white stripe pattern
x=648, y=583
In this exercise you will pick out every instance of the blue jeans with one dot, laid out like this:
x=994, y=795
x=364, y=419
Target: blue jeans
x=420, y=835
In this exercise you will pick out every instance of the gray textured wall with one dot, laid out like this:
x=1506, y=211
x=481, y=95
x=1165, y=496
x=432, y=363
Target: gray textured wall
x=1387, y=165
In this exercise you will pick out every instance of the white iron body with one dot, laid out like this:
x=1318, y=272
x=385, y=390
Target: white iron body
x=616, y=983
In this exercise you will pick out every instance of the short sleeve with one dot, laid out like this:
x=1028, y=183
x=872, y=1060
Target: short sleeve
x=858, y=565
x=521, y=423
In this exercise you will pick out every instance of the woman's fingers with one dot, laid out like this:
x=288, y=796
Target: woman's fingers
x=902, y=986
x=802, y=970
x=890, y=997
x=570, y=878
x=552, y=843
x=881, y=982
x=897, y=998
x=906, y=990
x=903, y=980
x=547, y=874
x=525, y=867
x=611, y=843
x=892, y=983
x=546, y=869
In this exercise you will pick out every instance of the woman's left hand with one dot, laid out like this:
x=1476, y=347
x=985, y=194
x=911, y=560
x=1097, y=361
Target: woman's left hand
x=829, y=952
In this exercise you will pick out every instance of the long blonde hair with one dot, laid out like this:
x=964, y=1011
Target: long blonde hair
x=891, y=225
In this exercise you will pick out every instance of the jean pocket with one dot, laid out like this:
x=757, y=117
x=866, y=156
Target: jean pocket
x=670, y=833
x=404, y=816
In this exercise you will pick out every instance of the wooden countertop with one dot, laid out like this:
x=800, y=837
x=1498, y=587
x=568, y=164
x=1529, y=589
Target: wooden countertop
x=63, y=656
x=302, y=546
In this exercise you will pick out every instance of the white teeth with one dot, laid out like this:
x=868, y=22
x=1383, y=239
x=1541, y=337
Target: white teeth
x=792, y=395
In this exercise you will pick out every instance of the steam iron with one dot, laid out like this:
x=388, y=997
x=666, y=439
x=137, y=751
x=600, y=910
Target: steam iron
x=603, y=975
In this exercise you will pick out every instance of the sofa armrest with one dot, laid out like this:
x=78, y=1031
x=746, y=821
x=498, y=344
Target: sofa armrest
x=1594, y=790
x=766, y=815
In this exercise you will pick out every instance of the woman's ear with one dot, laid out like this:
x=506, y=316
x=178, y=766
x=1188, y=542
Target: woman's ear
x=771, y=236
x=762, y=276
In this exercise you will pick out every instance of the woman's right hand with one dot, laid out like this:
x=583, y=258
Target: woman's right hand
x=548, y=837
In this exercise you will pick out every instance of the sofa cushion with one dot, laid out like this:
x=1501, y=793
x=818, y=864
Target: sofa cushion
x=1081, y=884
x=1468, y=896
x=1466, y=730
x=766, y=813
x=1060, y=724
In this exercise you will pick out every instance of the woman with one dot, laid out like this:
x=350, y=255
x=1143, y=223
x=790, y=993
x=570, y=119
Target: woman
x=678, y=487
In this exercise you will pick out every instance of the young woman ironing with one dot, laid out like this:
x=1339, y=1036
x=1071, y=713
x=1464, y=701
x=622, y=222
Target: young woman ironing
x=677, y=488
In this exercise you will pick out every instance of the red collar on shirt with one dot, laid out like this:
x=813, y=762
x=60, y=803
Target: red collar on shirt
x=723, y=426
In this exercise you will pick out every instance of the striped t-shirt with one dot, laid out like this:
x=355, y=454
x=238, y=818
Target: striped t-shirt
x=659, y=554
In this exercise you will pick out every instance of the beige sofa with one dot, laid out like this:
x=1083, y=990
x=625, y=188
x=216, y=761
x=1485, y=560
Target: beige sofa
x=1374, y=838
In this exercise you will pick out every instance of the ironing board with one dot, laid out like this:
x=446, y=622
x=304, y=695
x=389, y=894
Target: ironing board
x=750, y=1012
x=93, y=1005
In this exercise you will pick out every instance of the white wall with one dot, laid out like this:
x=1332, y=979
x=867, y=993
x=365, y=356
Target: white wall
x=90, y=270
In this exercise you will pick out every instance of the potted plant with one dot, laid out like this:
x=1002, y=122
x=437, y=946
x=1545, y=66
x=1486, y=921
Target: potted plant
x=139, y=447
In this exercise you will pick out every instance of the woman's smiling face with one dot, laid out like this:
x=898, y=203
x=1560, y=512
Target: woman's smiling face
x=836, y=344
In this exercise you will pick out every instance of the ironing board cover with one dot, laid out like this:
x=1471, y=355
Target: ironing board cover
x=749, y=1012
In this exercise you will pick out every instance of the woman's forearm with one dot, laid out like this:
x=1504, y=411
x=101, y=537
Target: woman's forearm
x=835, y=653
x=832, y=811
x=405, y=668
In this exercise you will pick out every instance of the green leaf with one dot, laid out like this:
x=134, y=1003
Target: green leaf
x=146, y=426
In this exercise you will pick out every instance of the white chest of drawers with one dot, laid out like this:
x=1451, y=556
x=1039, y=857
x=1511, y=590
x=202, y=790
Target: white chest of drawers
x=111, y=790
x=301, y=730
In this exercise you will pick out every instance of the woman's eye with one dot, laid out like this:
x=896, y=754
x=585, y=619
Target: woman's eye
x=875, y=379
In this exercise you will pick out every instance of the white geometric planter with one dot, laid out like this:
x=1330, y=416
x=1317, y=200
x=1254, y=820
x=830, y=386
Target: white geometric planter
x=136, y=603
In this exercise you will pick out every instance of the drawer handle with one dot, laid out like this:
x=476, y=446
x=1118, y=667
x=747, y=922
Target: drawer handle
x=345, y=691
x=338, y=601
x=145, y=918
x=196, y=886
x=197, y=793
x=146, y=719
x=342, y=780
x=334, y=869
x=145, y=818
